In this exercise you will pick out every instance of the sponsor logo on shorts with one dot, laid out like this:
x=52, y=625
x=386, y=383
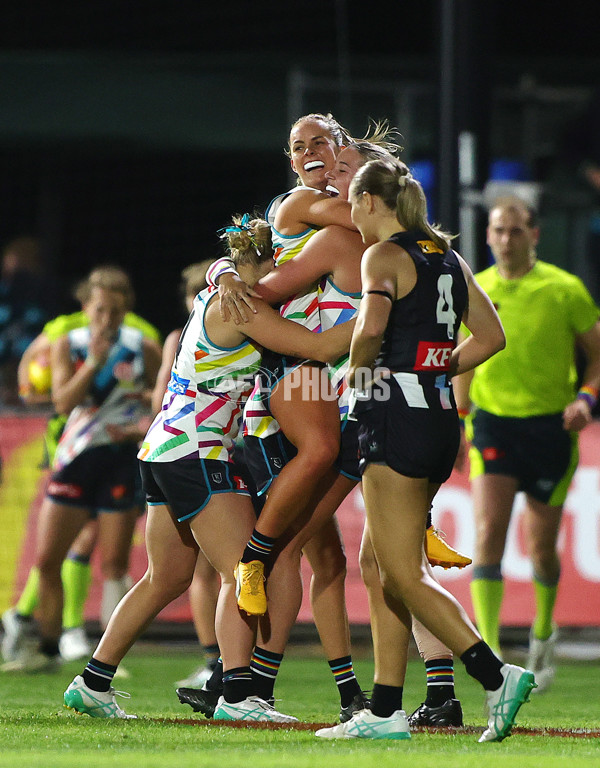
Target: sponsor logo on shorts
x=545, y=485
x=433, y=355
x=118, y=491
x=239, y=483
x=217, y=477
x=277, y=462
x=67, y=490
x=492, y=454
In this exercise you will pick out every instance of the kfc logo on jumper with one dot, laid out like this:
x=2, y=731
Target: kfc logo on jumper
x=433, y=355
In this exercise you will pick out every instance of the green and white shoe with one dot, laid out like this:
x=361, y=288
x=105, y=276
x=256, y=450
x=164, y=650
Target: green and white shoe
x=252, y=709
x=95, y=703
x=366, y=725
x=504, y=703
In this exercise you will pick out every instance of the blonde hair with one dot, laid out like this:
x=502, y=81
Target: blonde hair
x=336, y=130
x=248, y=241
x=193, y=278
x=109, y=278
x=380, y=140
x=391, y=180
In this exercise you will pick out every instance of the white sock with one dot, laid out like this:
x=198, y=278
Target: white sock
x=113, y=591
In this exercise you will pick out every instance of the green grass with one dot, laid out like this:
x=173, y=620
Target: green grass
x=35, y=730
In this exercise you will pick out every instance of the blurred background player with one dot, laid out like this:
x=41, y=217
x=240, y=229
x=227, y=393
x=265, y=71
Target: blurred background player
x=101, y=374
x=35, y=379
x=526, y=414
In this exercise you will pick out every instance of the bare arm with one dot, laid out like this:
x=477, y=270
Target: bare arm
x=487, y=334
x=272, y=331
x=164, y=372
x=379, y=273
x=332, y=251
x=578, y=414
x=462, y=385
x=311, y=208
x=152, y=361
x=70, y=387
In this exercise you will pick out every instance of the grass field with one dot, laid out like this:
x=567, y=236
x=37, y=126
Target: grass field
x=35, y=730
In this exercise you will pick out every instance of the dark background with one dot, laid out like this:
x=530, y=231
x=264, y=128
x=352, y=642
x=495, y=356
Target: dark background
x=131, y=131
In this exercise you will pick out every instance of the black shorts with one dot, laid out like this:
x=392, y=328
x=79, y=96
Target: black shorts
x=347, y=462
x=266, y=457
x=101, y=479
x=415, y=442
x=274, y=367
x=188, y=484
x=537, y=451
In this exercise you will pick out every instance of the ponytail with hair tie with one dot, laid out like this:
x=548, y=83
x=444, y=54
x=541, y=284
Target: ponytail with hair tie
x=402, y=180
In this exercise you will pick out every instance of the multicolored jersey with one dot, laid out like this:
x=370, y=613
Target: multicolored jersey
x=258, y=421
x=303, y=307
x=202, y=406
x=335, y=307
x=62, y=324
x=114, y=397
x=542, y=313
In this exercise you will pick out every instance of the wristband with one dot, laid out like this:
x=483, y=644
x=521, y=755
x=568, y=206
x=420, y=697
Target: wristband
x=589, y=394
x=220, y=267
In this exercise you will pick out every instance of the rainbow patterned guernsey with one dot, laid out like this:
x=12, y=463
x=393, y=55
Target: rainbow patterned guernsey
x=202, y=406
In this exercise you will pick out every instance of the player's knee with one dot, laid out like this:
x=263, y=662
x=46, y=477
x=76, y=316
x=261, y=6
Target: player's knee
x=114, y=567
x=169, y=584
x=368, y=566
x=330, y=566
x=49, y=567
x=319, y=456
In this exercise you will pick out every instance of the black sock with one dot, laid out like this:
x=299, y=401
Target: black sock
x=259, y=547
x=215, y=682
x=483, y=665
x=49, y=647
x=440, y=681
x=98, y=675
x=211, y=656
x=345, y=679
x=386, y=699
x=237, y=684
x=265, y=666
